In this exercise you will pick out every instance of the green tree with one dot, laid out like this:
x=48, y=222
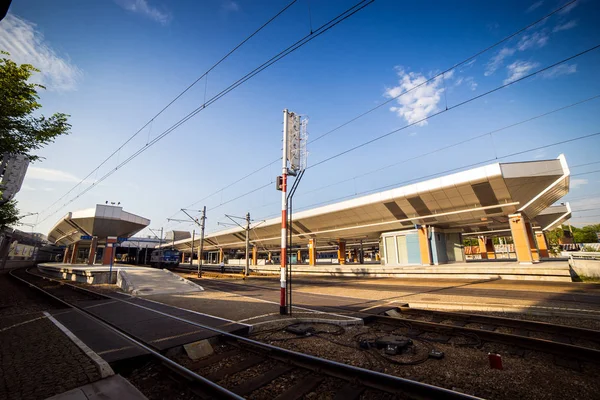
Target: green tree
x=9, y=214
x=587, y=234
x=22, y=132
x=22, y=129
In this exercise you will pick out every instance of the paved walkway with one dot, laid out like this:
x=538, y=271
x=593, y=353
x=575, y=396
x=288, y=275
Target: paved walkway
x=36, y=359
x=551, y=298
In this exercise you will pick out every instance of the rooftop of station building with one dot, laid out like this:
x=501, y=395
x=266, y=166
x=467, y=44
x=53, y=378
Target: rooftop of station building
x=476, y=200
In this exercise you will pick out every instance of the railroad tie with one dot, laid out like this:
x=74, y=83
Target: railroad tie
x=234, y=369
x=261, y=380
x=349, y=392
x=304, y=386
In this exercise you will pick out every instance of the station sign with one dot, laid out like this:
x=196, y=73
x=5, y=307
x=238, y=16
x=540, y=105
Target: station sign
x=85, y=237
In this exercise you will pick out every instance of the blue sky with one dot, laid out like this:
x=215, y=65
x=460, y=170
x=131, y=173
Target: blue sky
x=112, y=65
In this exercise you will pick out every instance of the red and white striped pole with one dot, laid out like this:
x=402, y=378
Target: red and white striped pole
x=284, y=171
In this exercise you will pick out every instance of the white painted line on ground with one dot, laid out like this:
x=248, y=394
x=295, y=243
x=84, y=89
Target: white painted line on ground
x=356, y=321
x=296, y=307
x=259, y=316
x=177, y=336
x=102, y=304
x=103, y=368
x=21, y=323
x=192, y=311
x=377, y=305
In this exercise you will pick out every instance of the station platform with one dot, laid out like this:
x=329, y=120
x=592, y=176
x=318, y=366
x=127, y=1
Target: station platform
x=131, y=279
x=345, y=295
x=156, y=324
x=556, y=271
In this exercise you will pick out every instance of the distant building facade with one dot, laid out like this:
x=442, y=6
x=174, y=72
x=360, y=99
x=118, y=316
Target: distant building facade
x=12, y=172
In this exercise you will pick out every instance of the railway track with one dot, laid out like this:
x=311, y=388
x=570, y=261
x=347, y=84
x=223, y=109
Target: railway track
x=246, y=366
x=569, y=343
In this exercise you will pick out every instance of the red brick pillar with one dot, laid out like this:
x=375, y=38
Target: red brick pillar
x=66, y=255
x=109, y=250
x=92, y=253
x=74, y=253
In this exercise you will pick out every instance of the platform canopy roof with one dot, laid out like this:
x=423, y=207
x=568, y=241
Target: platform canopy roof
x=102, y=221
x=476, y=200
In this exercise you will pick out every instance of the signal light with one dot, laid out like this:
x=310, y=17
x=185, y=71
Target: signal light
x=279, y=183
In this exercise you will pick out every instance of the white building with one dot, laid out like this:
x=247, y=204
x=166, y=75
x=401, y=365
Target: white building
x=12, y=172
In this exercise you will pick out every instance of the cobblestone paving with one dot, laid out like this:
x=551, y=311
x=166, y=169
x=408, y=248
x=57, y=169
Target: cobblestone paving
x=36, y=359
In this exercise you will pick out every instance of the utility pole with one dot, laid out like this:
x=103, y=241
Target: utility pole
x=201, y=255
x=247, y=270
x=192, y=254
x=283, y=257
x=159, y=246
x=201, y=224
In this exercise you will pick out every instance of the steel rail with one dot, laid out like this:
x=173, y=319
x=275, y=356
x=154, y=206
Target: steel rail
x=535, y=326
x=209, y=386
x=546, y=346
x=365, y=377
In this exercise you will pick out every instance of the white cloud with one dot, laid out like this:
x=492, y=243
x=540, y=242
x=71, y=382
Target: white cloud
x=420, y=102
x=467, y=65
x=27, y=46
x=229, y=5
x=50, y=175
x=142, y=7
x=562, y=69
x=412, y=134
x=535, y=5
x=469, y=80
x=566, y=26
x=519, y=69
x=576, y=183
x=568, y=8
x=533, y=40
x=497, y=60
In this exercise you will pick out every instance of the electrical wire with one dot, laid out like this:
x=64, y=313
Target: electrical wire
x=322, y=29
x=149, y=122
x=456, y=144
x=328, y=186
x=587, y=173
x=465, y=61
x=462, y=103
x=450, y=170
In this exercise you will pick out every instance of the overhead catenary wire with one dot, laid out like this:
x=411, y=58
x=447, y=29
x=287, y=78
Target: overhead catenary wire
x=443, y=148
x=322, y=29
x=454, y=144
x=470, y=139
x=463, y=62
x=462, y=103
x=151, y=120
x=463, y=167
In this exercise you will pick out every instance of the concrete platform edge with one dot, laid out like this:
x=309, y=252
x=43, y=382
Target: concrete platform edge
x=111, y=388
x=104, y=369
x=187, y=281
x=523, y=309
